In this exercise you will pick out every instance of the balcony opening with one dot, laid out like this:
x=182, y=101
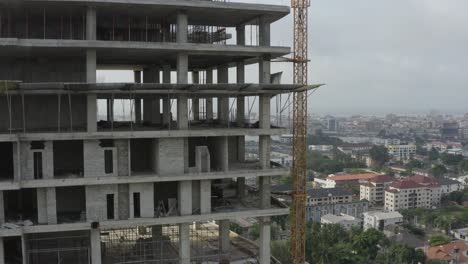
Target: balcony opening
x=110, y=206
x=68, y=159
x=165, y=199
x=7, y=164
x=20, y=207
x=142, y=156
x=71, y=204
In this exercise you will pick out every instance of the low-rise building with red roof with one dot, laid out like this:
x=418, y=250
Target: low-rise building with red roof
x=348, y=179
x=455, y=252
x=374, y=189
x=413, y=192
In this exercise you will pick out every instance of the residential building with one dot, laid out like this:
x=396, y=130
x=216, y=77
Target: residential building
x=344, y=220
x=452, y=253
x=379, y=220
x=374, y=189
x=353, y=208
x=461, y=233
x=128, y=187
x=448, y=185
x=328, y=196
x=402, y=152
x=409, y=193
x=321, y=148
x=355, y=149
x=348, y=180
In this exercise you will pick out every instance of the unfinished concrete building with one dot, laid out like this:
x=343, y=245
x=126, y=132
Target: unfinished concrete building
x=160, y=183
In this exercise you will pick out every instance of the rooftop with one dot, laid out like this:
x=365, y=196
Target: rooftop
x=351, y=177
x=405, y=184
x=380, y=215
x=448, y=252
x=327, y=192
x=337, y=218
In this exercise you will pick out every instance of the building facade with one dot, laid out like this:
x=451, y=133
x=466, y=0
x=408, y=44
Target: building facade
x=407, y=193
x=119, y=172
x=379, y=220
x=354, y=208
x=402, y=152
x=374, y=190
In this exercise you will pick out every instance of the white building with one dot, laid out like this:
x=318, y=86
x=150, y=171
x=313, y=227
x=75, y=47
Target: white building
x=321, y=148
x=346, y=221
x=401, y=152
x=461, y=233
x=410, y=193
x=374, y=190
x=379, y=220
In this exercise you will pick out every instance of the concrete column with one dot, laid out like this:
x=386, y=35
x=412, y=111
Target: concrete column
x=209, y=100
x=182, y=103
x=184, y=243
x=137, y=110
x=51, y=206
x=182, y=27
x=95, y=235
x=240, y=70
x=185, y=198
x=91, y=98
x=241, y=187
x=224, y=145
x=2, y=251
x=166, y=99
x=265, y=191
x=137, y=76
x=264, y=40
x=264, y=111
x=182, y=68
x=24, y=249
x=205, y=196
x=156, y=236
x=2, y=209
x=91, y=23
x=110, y=110
x=264, y=149
x=240, y=115
x=223, y=102
x=265, y=239
x=224, y=241
x=223, y=74
x=196, y=100
x=240, y=34
x=185, y=208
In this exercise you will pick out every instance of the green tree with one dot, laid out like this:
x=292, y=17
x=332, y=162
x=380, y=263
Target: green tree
x=254, y=231
x=438, y=170
x=281, y=250
x=433, y=154
x=379, y=155
x=451, y=160
x=437, y=240
x=462, y=166
x=400, y=254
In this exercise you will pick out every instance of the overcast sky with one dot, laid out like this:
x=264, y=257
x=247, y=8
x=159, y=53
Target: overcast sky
x=379, y=56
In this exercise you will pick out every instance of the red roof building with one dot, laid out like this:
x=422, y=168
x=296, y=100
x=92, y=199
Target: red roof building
x=456, y=252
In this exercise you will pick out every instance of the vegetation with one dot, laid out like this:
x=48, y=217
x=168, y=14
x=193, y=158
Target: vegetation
x=458, y=196
x=433, y=154
x=451, y=160
x=330, y=244
x=438, y=170
x=437, y=240
x=445, y=218
x=321, y=139
x=326, y=165
x=379, y=156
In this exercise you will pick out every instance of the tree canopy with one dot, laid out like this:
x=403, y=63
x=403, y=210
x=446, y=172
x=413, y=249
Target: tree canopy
x=379, y=155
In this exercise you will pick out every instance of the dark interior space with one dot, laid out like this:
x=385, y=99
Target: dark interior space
x=71, y=204
x=13, y=252
x=142, y=155
x=59, y=247
x=6, y=166
x=20, y=205
x=165, y=198
x=68, y=158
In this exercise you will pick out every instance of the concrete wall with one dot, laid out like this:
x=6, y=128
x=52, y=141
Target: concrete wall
x=70, y=69
x=94, y=164
x=146, y=191
x=96, y=202
x=123, y=165
x=170, y=156
x=27, y=160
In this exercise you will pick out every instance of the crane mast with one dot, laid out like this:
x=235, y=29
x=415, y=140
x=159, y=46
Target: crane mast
x=299, y=170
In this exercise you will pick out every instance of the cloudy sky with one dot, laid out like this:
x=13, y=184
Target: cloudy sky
x=380, y=56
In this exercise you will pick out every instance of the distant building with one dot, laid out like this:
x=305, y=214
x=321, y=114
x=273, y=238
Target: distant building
x=346, y=221
x=355, y=149
x=348, y=179
x=448, y=185
x=354, y=208
x=379, y=220
x=285, y=160
x=461, y=233
x=374, y=190
x=332, y=125
x=450, y=130
x=452, y=253
x=286, y=139
x=321, y=148
x=413, y=192
x=402, y=152
x=328, y=196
